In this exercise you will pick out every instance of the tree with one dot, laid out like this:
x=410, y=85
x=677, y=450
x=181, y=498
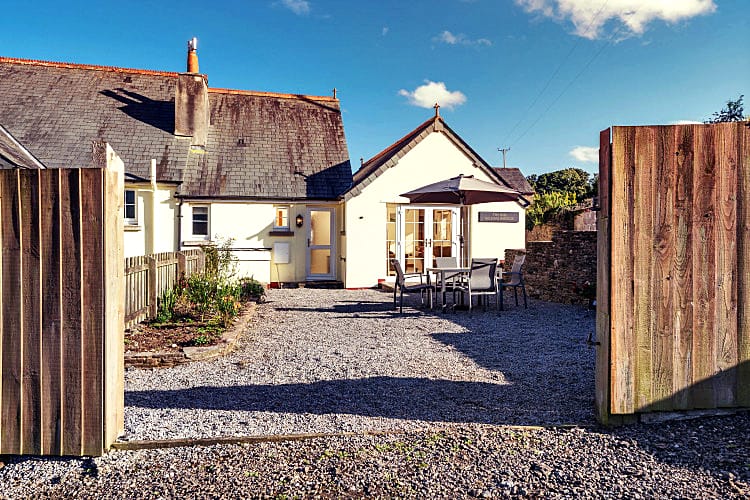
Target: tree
x=734, y=112
x=567, y=180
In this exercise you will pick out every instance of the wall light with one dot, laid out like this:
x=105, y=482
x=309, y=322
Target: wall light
x=299, y=220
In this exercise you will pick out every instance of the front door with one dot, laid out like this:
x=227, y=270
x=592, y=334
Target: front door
x=425, y=233
x=320, y=247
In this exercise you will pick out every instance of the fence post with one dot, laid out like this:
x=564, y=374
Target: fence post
x=153, y=307
x=181, y=265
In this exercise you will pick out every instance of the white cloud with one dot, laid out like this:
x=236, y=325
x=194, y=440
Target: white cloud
x=385, y=31
x=299, y=7
x=590, y=16
x=425, y=96
x=461, y=39
x=685, y=122
x=585, y=154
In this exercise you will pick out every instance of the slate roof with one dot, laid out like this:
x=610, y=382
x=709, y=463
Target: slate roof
x=14, y=155
x=261, y=145
x=387, y=158
x=515, y=179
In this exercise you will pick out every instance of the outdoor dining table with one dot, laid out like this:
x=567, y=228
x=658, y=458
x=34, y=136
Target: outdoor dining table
x=451, y=272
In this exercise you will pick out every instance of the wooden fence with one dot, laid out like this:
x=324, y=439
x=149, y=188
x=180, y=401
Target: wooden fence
x=147, y=277
x=673, y=313
x=61, y=320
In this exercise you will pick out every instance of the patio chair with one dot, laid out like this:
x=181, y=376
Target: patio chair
x=515, y=281
x=450, y=279
x=482, y=281
x=401, y=285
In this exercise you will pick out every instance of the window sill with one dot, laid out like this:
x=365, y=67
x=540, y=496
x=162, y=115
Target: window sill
x=133, y=227
x=281, y=232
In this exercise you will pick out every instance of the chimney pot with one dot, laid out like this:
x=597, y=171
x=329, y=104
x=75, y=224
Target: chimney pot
x=192, y=56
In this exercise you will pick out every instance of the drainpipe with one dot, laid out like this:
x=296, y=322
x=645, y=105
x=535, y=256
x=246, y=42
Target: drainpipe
x=152, y=229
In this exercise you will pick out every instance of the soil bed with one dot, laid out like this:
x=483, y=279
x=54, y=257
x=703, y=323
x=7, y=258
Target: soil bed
x=173, y=336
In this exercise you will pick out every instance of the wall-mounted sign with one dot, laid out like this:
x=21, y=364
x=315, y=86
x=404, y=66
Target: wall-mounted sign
x=498, y=217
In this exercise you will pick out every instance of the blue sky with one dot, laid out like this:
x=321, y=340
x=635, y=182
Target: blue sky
x=542, y=77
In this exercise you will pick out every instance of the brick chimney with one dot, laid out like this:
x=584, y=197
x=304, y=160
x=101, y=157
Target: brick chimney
x=191, y=105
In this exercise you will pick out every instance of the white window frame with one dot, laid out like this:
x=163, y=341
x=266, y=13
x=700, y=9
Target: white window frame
x=130, y=221
x=200, y=236
x=276, y=209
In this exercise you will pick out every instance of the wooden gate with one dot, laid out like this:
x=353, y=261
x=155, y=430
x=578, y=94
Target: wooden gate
x=61, y=320
x=673, y=312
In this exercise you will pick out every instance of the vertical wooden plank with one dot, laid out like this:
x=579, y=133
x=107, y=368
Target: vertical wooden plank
x=71, y=310
x=31, y=382
x=726, y=265
x=92, y=300
x=4, y=175
x=10, y=407
x=153, y=290
x=663, y=280
x=622, y=377
x=643, y=238
x=51, y=313
x=603, y=247
x=743, y=266
x=682, y=274
x=702, y=394
x=114, y=296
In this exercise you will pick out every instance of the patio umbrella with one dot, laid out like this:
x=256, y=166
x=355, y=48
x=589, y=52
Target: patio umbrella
x=462, y=190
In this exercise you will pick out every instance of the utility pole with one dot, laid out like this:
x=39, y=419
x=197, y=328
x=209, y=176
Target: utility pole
x=504, y=151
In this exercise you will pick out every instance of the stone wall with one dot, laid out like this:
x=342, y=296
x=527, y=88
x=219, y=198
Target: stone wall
x=557, y=270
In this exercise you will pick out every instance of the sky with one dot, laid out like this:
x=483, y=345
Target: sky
x=541, y=77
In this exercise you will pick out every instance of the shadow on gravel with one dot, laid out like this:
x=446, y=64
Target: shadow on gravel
x=372, y=309
x=390, y=397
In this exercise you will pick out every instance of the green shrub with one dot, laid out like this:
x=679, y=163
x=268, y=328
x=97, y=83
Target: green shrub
x=167, y=303
x=250, y=287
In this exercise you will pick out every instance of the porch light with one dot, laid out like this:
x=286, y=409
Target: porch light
x=299, y=220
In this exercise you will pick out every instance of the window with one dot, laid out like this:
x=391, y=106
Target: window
x=131, y=214
x=281, y=220
x=200, y=221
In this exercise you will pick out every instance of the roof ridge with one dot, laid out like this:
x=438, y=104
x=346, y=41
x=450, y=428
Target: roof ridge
x=116, y=69
x=263, y=93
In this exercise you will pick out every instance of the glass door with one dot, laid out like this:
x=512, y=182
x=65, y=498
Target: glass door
x=424, y=233
x=320, y=248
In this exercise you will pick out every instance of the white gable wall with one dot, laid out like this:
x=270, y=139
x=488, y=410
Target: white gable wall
x=434, y=159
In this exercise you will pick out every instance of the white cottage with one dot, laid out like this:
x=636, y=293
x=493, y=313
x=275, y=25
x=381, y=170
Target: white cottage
x=380, y=224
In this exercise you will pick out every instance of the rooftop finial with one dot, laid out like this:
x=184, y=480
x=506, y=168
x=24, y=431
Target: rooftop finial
x=437, y=110
x=334, y=92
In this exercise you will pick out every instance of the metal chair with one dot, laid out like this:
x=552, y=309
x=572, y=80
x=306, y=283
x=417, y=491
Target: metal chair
x=482, y=280
x=402, y=286
x=515, y=281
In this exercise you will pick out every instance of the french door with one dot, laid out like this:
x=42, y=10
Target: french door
x=423, y=233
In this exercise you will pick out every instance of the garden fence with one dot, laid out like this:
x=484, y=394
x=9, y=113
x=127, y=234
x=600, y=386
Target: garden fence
x=148, y=277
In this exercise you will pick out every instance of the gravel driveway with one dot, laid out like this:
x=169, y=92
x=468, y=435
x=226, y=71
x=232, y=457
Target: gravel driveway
x=337, y=360
x=317, y=361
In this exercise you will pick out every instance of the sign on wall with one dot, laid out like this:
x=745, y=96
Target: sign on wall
x=508, y=217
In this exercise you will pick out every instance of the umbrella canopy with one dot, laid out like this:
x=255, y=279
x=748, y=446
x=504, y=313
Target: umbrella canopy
x=463, y=190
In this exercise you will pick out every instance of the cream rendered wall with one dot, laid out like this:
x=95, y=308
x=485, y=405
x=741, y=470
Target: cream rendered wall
x=491, y=239
x=250, y=225
x=152, y=234
x=434, y=159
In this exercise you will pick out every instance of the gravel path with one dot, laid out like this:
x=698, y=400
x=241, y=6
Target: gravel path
x=705, y=458
x=337, y=360
x=321, y=361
